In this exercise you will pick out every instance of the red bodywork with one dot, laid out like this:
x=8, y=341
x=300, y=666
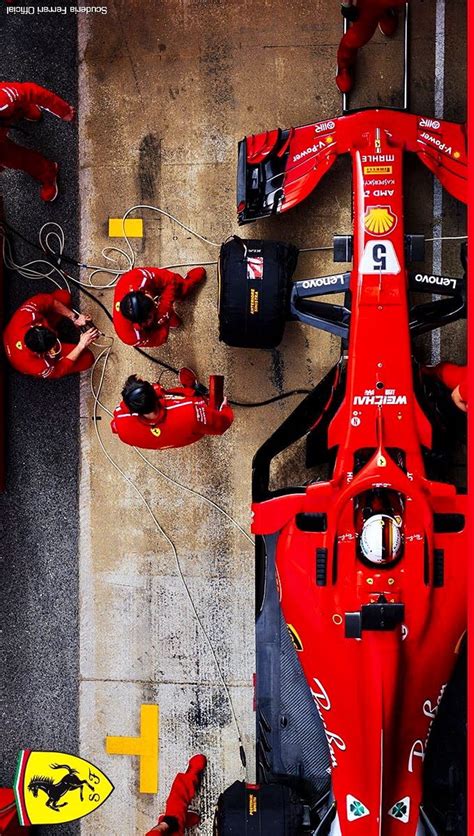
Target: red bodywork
x=377, y=695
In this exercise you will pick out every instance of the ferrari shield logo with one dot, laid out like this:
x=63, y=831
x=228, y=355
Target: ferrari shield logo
x=54, y=787
x=379, y=220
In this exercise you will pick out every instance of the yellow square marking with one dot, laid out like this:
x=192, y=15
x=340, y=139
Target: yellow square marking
x=133, y=227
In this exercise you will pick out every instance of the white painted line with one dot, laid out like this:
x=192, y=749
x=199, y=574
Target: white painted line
x=440, y=45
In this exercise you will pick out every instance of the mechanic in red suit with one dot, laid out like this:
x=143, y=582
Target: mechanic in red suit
x=455, y=378
x=32, y=337
x=155, y=418
x=365, y=16
x=144, y=303
x=26, y=100
x=176, y=817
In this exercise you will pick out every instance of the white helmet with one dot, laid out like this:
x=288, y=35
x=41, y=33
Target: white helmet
x=381, y=538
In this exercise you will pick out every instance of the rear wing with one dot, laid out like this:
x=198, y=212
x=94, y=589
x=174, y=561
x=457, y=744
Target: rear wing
x=278, y=169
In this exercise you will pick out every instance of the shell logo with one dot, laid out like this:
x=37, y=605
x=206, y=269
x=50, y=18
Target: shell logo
x=379, y=220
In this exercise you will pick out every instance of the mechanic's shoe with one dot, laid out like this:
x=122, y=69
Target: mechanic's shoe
x=344, y=80
x=187, y=377
x=49, y=189
x=197, y=274
x=388, y=24
x=34, y=113
x=197, y=762
x=175, y=321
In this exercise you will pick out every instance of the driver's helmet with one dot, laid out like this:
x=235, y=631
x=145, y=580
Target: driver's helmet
x=381, y=538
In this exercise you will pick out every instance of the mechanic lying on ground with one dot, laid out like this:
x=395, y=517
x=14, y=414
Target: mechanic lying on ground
x=26, y=101
x=155, y=418
x=176, y=817
x=144, y=303
x=46, y=338
x=364, y=17
x=454, y=378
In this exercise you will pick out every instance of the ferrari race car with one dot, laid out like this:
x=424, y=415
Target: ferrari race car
x=361, y=572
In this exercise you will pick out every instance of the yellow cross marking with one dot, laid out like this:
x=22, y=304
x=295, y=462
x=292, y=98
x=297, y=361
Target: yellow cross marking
x=145, y=747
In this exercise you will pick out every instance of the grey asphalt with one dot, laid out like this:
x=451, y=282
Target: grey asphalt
x=39, y=511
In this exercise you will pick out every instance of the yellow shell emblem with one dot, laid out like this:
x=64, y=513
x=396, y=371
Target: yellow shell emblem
x=155, y=431
x=379, y=220
x=55, y=787
x=19, y=346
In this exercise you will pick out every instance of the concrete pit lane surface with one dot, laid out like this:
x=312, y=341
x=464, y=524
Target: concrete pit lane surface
x=165, y=91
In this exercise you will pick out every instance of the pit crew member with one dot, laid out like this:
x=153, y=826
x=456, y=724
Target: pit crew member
x=144, y=303
x=155, y=418
x=45, y=338
x=176, y=817
x=26, y=100
x=365, y=16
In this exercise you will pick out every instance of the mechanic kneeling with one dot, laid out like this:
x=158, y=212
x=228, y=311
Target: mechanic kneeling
x=155, y=418
x=45, y=338
x=144, y=303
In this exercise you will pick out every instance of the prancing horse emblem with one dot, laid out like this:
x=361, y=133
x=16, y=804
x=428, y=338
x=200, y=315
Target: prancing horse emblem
x=55, y=791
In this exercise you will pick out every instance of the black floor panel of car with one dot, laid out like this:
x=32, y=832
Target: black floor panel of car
x=290, y=736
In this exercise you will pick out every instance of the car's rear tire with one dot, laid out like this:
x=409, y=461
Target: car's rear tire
x=254, y=280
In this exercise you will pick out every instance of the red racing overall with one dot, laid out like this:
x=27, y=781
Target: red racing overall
x=170, y=287
x=183, y=790
x=26, y=101
x=371, y=14
x=39, y=310
x=185, y=418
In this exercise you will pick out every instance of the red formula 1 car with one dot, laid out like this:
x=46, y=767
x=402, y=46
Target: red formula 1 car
x=364, y=568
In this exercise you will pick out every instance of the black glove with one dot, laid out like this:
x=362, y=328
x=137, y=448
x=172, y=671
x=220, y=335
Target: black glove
x=200, y=389
x=172, y=822
x=350, y=13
